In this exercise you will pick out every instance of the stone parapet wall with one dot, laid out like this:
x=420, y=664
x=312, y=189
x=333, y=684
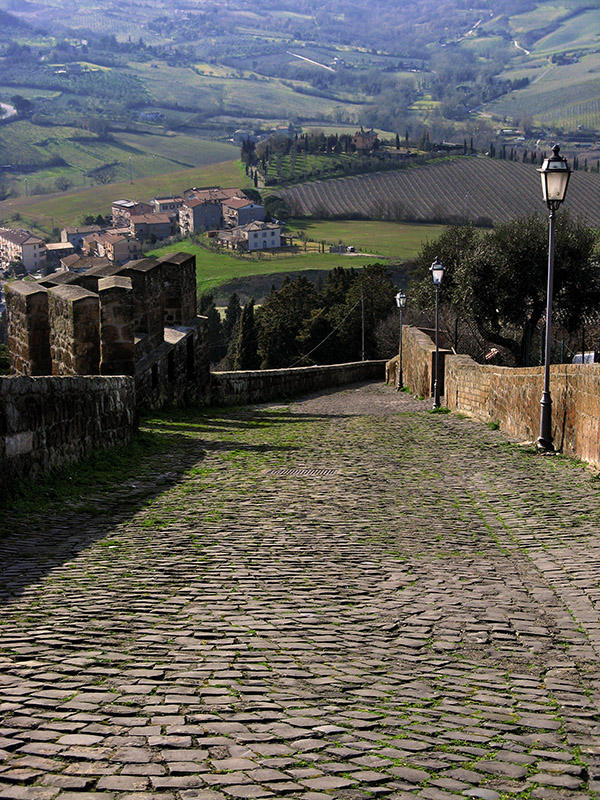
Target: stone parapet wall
x=511, y=398
x=178, y=372
x=238, y=388
x=418, y=363
x=46, y=422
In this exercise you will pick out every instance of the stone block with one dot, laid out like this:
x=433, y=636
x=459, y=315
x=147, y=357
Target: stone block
x=28, y=328
x=146, y=276
x=117, y=346
x=74, y=315
x=179, y=281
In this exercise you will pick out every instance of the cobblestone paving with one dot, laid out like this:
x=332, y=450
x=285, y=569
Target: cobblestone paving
x=342, y=597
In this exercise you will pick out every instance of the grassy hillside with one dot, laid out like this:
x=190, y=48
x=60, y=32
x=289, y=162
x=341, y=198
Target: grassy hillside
x=41, y=153
x=473, y=188
x=561, y=64
x=43, y=213
x=215, y=269
x=564, y=95
x=395, y=240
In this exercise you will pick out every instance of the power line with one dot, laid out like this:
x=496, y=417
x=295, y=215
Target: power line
x=327, y=337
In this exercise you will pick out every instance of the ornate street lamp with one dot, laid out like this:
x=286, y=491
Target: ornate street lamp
x=555, y=174
x=401, y=303
x=437, y=275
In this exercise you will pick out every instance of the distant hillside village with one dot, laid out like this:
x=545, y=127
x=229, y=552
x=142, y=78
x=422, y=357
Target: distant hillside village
x=228, y=216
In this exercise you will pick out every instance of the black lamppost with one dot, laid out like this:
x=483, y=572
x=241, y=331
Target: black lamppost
x=437, y=274
x=401, y=303
x=555, y=174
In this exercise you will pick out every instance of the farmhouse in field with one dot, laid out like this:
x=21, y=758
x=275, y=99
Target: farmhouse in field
x=365, y=142
x=256, y=235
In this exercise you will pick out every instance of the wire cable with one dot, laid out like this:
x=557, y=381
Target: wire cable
x=327, y=337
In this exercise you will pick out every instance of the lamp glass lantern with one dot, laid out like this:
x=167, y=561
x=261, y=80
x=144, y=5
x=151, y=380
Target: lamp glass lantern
x=401, y=300
x=437, y=272
x=555, y=174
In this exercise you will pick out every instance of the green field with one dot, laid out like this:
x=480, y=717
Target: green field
x=394, y=240
x=382, y=241
x=566, y=95
x=214, y=269
x=40, y=153
x=41, y=214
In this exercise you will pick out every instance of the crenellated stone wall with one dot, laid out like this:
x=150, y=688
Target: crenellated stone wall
x=49, y=421
x=238, y=388
x=28, y=329
x=74, y=316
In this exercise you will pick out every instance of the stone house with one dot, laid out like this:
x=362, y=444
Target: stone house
x=254, y=236
x=123, y=210
x=165, y=205
x=240, y=211
x=144, y=226
x=364, y=141
x=77, y=236
x=116, y=248
x=199, y=215
x=22, y=246
x=55, y=251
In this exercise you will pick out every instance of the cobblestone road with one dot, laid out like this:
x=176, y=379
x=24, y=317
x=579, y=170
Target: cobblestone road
x=342, y=597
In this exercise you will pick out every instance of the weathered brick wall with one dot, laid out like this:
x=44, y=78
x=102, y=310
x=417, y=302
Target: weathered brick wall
x=49, y=421
x=511, y=397
x=418, y=363
x=237, y=388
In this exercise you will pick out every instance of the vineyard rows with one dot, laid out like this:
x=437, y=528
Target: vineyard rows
x=480, y=189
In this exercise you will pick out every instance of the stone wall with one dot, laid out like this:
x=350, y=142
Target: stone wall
x=177, y=373
x=418, y=363
x=238, y=388
x=28, y=329
x=49, y=421
x=511, y=398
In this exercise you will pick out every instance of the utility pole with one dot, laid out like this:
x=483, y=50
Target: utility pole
x=362, y=305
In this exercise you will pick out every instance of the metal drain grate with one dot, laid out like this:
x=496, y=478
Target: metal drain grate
x=302, y=472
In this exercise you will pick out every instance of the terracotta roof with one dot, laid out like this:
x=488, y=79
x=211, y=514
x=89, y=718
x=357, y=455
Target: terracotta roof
x=239, y=202
x=85, y=230
x=200, y=201
x=19, y=237
x=150, y=219
x=69, y=261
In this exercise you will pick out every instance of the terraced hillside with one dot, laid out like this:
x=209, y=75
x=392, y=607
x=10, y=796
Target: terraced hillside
x=475, y=188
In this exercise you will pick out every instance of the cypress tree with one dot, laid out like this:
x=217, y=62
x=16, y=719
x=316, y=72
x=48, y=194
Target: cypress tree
x=246, y=344
x=233, y=311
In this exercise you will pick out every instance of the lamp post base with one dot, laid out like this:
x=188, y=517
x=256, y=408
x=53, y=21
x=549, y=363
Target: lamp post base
x=544, y=441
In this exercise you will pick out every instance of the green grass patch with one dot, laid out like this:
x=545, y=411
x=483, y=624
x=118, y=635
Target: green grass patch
x=71, y=485
x=215, y=268
x=396, y=240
